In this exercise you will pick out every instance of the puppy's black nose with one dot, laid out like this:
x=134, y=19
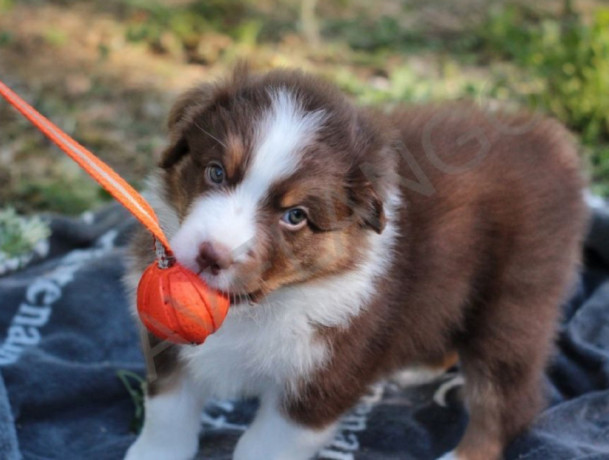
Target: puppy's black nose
x=214, y=257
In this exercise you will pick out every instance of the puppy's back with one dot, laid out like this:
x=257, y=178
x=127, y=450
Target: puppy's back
x=493, y=202
x=522, y=172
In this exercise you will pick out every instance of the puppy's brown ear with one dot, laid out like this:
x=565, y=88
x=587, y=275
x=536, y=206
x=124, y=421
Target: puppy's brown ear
x=366, y=202
x=374, y=169
x=192, y=101
x=174, y=153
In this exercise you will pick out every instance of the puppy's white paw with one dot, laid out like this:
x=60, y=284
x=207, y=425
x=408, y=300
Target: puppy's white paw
x=416, y=375
x=449, y=456
x=273, y=436
x=441, y=393
x=145, y=450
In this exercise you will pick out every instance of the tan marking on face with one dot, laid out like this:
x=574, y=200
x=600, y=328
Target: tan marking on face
x=334, y=250
x=235, y=153
x=309, y=256
x=293, y=197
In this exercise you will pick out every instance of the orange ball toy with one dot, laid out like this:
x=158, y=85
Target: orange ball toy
x=176, y=305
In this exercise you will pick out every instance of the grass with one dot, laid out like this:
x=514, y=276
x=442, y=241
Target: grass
x=18, y=234
x=108, y=71
x=566, y=63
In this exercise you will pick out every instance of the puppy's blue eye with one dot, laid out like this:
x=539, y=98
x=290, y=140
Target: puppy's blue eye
x=214, y=172
x=294, y=218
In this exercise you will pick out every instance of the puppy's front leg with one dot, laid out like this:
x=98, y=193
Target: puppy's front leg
x=273, y=436
x=172, y=423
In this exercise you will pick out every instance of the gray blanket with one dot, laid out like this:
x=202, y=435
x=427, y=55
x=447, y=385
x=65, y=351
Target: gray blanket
x=69, y=363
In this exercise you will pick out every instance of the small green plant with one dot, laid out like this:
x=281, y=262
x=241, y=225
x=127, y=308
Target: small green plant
x=18, y=234
x=135, y=386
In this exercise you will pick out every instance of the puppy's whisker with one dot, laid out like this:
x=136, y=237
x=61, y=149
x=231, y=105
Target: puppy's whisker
x=204, y=131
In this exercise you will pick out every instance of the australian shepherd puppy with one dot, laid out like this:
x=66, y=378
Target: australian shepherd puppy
x=355, y=243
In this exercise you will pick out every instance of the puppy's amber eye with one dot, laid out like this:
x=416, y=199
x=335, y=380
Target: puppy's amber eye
x=294, y=218
x=214, y=173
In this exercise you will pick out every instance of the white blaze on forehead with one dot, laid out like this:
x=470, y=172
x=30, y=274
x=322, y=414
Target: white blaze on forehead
x=228, y=217
x=285, y=129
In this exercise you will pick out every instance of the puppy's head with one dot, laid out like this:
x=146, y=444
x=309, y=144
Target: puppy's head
x=276, y=180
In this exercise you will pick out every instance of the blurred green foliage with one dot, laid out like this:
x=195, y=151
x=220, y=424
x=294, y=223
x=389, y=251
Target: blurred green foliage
x=65, y=189
x=570, y=59
x=72, y=197
x=55, y=36
x=184, y=30
x=6, y=5
x=384, y=33
x=19, y=234
x=512, y=54
x=567, y=62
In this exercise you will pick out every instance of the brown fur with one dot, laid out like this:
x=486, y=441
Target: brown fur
x=490, y=230
x=484, y=262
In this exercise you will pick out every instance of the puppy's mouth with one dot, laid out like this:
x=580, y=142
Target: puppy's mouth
x=237, y=295
x=245, y=298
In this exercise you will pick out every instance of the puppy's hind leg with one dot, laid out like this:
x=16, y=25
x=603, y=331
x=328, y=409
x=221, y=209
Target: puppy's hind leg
x=503, y=361
x=508, y=333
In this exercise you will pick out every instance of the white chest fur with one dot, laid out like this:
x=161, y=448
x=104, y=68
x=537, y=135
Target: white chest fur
x=255, y=348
